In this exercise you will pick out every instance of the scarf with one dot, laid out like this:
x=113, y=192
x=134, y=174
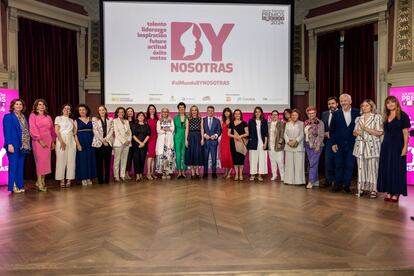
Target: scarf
x=25, y=148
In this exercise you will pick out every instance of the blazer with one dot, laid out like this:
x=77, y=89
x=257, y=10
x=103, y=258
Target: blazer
x=294, y=132
x=12, y=131
x=325, y=120
x=367, y=145
x=253, y=135
x=122, y=133
x=315, y=139
x=214, y=130
x=98, y=132
x=341, y=134
x=278, y=134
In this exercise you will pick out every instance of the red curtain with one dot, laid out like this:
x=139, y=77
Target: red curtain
x=48, y=68
x=327, y=68
x=359, y=71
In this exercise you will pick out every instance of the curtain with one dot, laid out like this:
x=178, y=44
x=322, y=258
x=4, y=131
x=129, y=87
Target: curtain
x=327, y=68
x=359, y=71
x=48, y=69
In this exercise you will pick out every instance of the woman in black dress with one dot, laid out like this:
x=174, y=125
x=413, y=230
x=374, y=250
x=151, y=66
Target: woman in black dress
x=238, y=132
x=392, y=174
x=131, y=119
x=194, y=140
x=140, y=135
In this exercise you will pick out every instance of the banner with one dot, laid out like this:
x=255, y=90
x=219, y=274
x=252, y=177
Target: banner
x=6, y=96
x=406, y=97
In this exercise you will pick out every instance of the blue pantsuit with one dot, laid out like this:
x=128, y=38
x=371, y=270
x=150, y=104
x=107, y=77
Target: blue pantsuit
x=13, y=136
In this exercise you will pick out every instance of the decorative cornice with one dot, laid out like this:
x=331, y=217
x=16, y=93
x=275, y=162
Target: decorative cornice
x=49, y=11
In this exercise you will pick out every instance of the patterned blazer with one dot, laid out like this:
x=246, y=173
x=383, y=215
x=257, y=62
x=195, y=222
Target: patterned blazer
x=98, y=132
x=367, y=145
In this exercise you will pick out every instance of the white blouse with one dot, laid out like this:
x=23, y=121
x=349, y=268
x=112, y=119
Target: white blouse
x=65, y=125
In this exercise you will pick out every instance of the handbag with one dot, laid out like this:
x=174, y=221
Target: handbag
x=240, y=144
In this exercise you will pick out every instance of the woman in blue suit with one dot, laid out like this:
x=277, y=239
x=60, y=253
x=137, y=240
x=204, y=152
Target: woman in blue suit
x=16, y=143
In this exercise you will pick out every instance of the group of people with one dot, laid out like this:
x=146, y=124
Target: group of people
x=84, y=145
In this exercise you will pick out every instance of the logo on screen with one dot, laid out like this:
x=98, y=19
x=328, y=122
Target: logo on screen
x=186, y=44
x=275, y=17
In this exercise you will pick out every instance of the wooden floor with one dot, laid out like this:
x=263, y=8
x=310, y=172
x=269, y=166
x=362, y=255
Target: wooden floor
x=204, y=227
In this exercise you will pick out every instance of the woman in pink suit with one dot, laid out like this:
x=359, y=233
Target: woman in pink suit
x=43, y=135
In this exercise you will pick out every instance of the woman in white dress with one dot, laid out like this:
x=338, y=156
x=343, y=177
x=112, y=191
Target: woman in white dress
x=122, y=143
x=294, y=150
x=368, y=131
x=65, y=147
x=165, y=153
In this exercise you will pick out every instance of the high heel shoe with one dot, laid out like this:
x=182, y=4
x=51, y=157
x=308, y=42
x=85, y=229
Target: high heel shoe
x=42, y=189
x=16, y=190
x=387, y=197
x=395, y=200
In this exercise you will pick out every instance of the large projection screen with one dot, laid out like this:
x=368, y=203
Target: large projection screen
x=236, y=55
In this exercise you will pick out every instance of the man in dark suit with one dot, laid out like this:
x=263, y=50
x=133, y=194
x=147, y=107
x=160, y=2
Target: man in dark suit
x=212, y=131
x=329, y=154
x=343, y=140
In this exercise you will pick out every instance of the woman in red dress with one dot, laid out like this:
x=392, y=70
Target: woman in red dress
x=225, y=154
x=152, y=119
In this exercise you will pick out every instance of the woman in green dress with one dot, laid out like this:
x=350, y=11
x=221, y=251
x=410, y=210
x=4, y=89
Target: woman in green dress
x=179, y=139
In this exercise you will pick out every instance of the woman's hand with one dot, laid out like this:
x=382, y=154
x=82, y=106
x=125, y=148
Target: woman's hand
x=202, y=141
x=79, y=147
x=357, y=132
x=53, y=146
x=404, y=151
x=62, y=145
x=10, y=148
x=126, y=143
x=264, y=146
x=186, y=143
x=43, y=144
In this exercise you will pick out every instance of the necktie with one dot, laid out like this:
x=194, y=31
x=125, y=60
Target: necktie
x=330, y=117
x=209, y=123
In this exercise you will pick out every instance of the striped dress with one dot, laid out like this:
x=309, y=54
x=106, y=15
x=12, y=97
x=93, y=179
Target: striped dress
x=367, y=152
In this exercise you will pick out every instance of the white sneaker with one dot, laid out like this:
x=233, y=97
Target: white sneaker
x=273, y=178
x=260, y=178
x=84, y=183
x=309, y=186
x=89, y=181
x=252, y=178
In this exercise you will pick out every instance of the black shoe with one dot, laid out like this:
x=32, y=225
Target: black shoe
x=347, y=190
x=205, y=175
x=335, y=189
x=214, y=175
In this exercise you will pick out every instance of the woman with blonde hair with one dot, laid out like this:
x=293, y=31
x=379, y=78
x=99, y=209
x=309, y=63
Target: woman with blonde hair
x=392, y=173
x=368, y=131
x=165, y=153
x=194, y=140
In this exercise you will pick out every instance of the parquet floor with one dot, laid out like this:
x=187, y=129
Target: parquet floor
x=205, y=227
